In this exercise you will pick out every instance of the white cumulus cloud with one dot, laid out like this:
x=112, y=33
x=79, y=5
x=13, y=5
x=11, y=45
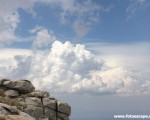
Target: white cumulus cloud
x=8, y=25
x=43, y=37
x=69, y=68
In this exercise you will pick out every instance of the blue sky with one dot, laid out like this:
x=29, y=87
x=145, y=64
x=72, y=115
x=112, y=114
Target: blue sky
x=88, y=52
x=111, y=21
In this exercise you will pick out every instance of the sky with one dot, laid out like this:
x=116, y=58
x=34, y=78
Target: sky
x=94, y=54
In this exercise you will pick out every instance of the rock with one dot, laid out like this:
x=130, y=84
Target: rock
x=2, y=91
x=20, y=101
x=8, y=110
x=2, y=81
x=39, y=94
x=45, y=119
x=21, y=116
x=34, y=111
x=11, y=93
x=33, y=101
x=63, y=107
x=23, y=86
x=50, y=114
x=49, y=103
x=51, y=98
x=62, y=116
x=26, y=115
x=2, y=117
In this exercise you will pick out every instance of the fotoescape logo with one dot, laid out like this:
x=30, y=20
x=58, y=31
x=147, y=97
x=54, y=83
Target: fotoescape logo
x=127, y=116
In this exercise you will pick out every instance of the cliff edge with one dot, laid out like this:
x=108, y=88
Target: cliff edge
x=20, y=101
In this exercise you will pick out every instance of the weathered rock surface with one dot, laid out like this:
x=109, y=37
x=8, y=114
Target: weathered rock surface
x=49, y=103
x=34, y=111
x=2, y=81
x=20, y=101
x=11, y=93
x=39, y=94
x=6, y=109
x=33, y=101
x=22, y=86
x=12, y=113
x=63, y=107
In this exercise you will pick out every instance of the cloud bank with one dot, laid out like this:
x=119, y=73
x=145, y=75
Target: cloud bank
x=69, y=68
x=66, y=68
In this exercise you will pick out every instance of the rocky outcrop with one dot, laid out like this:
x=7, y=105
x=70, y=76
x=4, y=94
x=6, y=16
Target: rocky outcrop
x=20, y=101
x=22, y=86
x=12, y=113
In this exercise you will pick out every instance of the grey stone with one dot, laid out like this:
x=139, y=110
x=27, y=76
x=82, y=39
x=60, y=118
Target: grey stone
x=63, y=107
x=23, y=86
x=40, y=94
x=2, y=81
x=32, y=104
x=12, y=113
x=62, y=116
x=22, y=103
x=2, y=91
x=51, y=98
x=2, y=117
x=33, y=101
x=11, y=93
x=21, y=116
x=6, y=109
x=49, y=103
x=45, y=94
x=44, y=119
x=49, y=113
x=36, y=112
